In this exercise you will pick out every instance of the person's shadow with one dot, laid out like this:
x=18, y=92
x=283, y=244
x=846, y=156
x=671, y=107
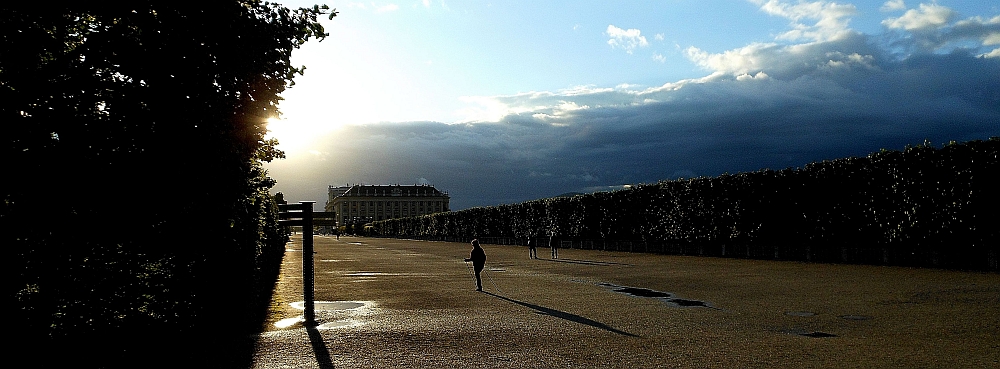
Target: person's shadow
x=585, y=262
x=563, y=315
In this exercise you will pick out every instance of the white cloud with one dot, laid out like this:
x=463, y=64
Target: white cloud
x=992, y=39
x=827, y=45
x=659, y=37
x=893, y=5
x=746, y=77
x=629, y=39
x=838, y=60
x=985, y=30
x=745, y=60
x=830, y=19
x=659, y=57
x=930, y=29
x=787, y=62
x=928, y=17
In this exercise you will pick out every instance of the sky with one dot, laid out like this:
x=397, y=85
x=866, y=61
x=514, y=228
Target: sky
x=500, y=102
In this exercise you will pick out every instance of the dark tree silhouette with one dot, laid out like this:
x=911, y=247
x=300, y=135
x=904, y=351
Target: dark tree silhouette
x=134, y=205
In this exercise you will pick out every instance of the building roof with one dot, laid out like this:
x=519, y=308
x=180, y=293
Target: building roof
x=393, y=190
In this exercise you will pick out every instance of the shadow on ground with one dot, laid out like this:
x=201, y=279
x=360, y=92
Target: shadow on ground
x=585, y=262
x=319, y=348
x=563, y=315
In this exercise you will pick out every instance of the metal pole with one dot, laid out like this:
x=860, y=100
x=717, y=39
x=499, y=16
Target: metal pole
x=308, y=272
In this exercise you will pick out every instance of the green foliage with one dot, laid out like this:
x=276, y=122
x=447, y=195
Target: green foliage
x=919, y=206
x=135, y=200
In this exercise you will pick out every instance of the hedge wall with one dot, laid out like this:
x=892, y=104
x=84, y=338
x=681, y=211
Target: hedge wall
x=921, y=206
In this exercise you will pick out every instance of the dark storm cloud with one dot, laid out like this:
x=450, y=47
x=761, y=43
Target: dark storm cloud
x=766, y=106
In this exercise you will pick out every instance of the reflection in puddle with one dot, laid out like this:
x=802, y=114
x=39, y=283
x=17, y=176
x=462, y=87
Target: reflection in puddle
x=810, y=334
x=818, y=334
x=687, y=303
x=330, y=305
x=642, y=292
x=329, y=314
x=288, y=322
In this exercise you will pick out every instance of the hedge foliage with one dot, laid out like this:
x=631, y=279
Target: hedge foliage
x=918, y=206
x=135, y=210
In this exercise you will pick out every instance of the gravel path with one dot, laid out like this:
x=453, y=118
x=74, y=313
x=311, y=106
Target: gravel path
x=411, y=304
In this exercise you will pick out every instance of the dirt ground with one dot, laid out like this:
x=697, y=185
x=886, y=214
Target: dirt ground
x=387, y=303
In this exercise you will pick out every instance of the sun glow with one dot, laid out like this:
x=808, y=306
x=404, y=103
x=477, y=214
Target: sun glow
x=295, y=134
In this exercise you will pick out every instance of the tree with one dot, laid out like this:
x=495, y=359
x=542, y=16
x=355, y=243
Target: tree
x=134, y=142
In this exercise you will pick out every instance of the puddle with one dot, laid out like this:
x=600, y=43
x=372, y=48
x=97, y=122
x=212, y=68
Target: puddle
x=810, y=334
x=288, y=322
x=800, y=313
x=687, y=303
x=642, y=292
x=665, y=296
x=329, y=314
x=818, y=334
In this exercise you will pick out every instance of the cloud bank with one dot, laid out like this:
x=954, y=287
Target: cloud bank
x=819, y=91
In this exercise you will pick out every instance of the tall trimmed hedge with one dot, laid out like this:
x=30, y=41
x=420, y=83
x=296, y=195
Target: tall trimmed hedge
x=919, y=206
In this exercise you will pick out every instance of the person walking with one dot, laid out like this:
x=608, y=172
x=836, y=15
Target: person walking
x=478, y=259
x=532, y=252
x=554, y=244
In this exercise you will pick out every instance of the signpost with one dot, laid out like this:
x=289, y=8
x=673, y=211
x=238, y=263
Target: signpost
x=301, y=214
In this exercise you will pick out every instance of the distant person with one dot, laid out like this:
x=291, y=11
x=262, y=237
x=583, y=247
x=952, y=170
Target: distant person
x=478, y=259
x=554, y=244
x=532, y=252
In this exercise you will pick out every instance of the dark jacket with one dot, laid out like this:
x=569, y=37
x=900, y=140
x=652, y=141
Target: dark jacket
x=477, y=257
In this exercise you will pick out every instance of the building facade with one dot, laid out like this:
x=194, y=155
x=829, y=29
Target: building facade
x=360, y=204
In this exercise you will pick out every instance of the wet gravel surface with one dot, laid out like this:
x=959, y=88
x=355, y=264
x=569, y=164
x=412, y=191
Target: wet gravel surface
x=412, y=304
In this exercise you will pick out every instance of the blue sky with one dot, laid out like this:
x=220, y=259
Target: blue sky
x=506, y=101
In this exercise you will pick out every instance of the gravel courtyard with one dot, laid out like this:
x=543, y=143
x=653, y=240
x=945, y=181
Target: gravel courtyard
x=385, y=303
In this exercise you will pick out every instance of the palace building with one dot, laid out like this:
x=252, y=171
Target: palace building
x=360, y=204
